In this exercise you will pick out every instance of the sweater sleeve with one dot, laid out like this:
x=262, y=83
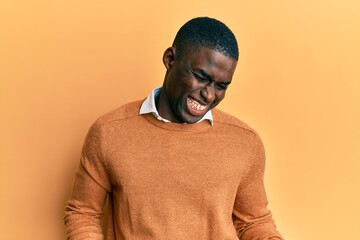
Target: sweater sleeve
x=252, y=219
x=84, y=209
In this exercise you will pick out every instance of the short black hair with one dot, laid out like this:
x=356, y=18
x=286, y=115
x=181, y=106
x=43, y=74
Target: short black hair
x=206, y=32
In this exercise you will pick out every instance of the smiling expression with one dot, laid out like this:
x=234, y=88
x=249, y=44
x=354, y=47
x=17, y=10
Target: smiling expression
x=195, y=83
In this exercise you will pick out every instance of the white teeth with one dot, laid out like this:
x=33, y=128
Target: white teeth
x=194, y=104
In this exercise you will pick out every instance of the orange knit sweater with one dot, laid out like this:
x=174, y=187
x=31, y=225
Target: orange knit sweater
x=169, y=180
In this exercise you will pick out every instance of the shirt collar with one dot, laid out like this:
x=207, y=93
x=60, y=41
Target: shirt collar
x=149, y=106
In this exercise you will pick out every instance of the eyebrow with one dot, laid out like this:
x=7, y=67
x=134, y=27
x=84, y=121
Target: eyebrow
x=206, y=75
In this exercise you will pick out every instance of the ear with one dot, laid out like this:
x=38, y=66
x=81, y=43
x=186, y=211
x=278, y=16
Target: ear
x=169, y=57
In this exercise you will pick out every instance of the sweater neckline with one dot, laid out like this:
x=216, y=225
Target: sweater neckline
x=195, y=127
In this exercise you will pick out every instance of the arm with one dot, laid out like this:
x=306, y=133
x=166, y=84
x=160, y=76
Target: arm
x=84, y=209
x=252, y=219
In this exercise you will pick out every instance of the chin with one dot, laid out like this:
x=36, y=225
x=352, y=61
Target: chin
x=185, y=117
x=191, y=120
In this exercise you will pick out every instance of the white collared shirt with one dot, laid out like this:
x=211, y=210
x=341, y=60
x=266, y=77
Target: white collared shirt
x=149, y=106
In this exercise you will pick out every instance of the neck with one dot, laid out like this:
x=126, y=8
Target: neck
x=164, y=108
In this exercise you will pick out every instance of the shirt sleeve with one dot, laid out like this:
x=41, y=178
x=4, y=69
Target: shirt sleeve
x=252, y=219
x=84, y=209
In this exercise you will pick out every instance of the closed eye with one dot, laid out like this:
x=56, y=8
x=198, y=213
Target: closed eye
x=222, y=86
x=205, y=78
x=199, y=78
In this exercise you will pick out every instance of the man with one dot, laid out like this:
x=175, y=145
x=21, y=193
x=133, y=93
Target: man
x=173, y=166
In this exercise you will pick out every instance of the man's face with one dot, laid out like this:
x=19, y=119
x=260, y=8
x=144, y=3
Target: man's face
x=195, y=83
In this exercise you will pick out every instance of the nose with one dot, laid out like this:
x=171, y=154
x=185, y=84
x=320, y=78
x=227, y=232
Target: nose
x=208, y=93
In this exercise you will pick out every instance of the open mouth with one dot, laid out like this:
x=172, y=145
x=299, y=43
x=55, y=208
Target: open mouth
x=195, y=107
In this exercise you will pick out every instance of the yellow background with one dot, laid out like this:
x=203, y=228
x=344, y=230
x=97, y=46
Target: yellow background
x=64, y=63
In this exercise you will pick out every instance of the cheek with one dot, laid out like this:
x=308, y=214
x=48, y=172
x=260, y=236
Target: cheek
x=220, y=96
x=188, y=83
x=187, y=87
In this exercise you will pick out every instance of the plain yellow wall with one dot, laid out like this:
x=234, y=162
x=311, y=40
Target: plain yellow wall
x=64, y=63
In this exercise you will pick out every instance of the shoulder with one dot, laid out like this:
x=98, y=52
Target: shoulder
x=122, y=113
x=230, y=123
x=223, y=118
x=237, y=129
